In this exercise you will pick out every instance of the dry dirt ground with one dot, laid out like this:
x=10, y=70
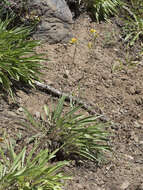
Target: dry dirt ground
x=111, y=79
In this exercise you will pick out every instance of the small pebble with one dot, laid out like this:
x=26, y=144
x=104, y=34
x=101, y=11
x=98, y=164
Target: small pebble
x=124, y=185
x=20, y=109
x=139, y=100
x=37, y=114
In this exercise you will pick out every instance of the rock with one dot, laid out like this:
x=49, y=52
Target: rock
x=105, y=75
x=20, y=109
x=139, y=100
x=140, y=122
x=137, y=125
x=107, y=83
x=124, y=185
x=79, y=186
x=37, y=114
x=128, y=157
x=140, y=142
x=116, y=82
x=66, y=74
x=132, y=90
x=138, y=90
x=55, y=20
x=134, y=137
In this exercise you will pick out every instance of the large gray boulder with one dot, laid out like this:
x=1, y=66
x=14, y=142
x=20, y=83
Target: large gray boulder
x=55, y=20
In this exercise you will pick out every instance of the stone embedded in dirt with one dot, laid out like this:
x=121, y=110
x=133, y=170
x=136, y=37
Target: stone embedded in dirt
x=20, y=109
x=140, y=142
x=124, y=78
x=37, y=114
x=105, y=75
x=55, y=20
x=116, y=82
x=138, y=90
x=137, y=125
x=66, y=74
x=140, y=122
x=124, y=185
x=139, y=100
x=132, y=90
x=134, y=137
x=128, y=157
x=107, y=83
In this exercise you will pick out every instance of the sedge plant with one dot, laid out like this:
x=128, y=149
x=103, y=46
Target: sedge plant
x=77, y=135
x=30, y=171
x=103, y=9
x=133, y=24
x=18, y=59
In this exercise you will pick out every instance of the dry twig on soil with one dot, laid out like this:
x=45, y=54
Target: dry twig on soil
x=87, y=106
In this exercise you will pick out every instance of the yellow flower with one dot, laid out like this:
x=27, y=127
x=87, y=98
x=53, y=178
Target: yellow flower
x=89, y=45
x=93, y=31
x=73, y=40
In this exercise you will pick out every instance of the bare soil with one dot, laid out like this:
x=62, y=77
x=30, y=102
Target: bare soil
x=111, y=78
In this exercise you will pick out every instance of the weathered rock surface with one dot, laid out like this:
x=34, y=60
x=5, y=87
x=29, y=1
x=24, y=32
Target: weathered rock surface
x=55, y=20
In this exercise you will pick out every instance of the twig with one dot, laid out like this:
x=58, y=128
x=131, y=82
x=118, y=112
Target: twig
x=88, y=107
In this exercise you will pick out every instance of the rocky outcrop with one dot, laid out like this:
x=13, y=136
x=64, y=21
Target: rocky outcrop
x=55, y=20
x=54, y=15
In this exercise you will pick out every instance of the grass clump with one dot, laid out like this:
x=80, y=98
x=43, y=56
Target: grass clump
x=19, y=171
x=133, y=29
x=133, y=22
x=77, y=135
x=18, y=60
x=103, y=9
